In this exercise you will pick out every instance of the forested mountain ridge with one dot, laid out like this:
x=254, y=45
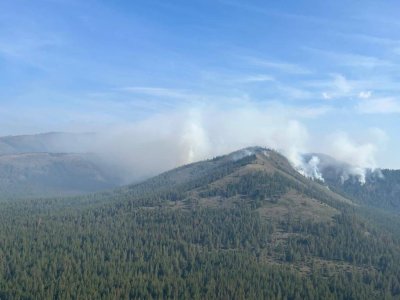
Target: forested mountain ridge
x=255, y=174
x=244, y=225
x=62, y=164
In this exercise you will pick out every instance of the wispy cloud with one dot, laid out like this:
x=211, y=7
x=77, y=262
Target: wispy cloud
x=25, y=38
x=315, y=111
x=352, y=59
x=381, y=41
x=293, y=92
x=158, y=92
x=29, y=50
x=257, y=9
x=342, y=84
x=257, y=78
x=20, y=47
x=284, y=67
x=333, y=87
x=386, y=105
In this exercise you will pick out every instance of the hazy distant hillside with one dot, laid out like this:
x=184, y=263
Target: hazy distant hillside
x=55, y=142
x=47, y=174
x=52, y=164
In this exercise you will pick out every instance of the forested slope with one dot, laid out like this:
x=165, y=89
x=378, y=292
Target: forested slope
x=240, y=226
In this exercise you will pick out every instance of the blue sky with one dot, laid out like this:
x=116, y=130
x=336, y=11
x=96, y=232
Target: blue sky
x=86, y=65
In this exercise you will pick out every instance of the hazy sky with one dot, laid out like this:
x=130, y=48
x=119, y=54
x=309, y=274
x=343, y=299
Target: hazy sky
x=331, y=66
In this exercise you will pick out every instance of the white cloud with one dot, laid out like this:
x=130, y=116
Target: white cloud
x=336, y=87
x=326, y=96
x=365, y=94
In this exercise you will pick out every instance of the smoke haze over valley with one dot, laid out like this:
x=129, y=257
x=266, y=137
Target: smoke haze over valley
x=164, y=141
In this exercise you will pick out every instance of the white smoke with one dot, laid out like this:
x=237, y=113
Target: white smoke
x=360, y=154
x=195, y=140
x=168, y=140
x=242, y=154
x=310, y=169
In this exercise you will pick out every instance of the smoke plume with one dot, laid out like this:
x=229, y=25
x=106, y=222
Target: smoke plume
x=163, y=141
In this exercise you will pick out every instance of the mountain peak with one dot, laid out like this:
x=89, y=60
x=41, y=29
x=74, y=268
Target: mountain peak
x=255, y=150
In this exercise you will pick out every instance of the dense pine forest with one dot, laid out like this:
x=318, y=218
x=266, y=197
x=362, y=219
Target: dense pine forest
x=234, y=227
